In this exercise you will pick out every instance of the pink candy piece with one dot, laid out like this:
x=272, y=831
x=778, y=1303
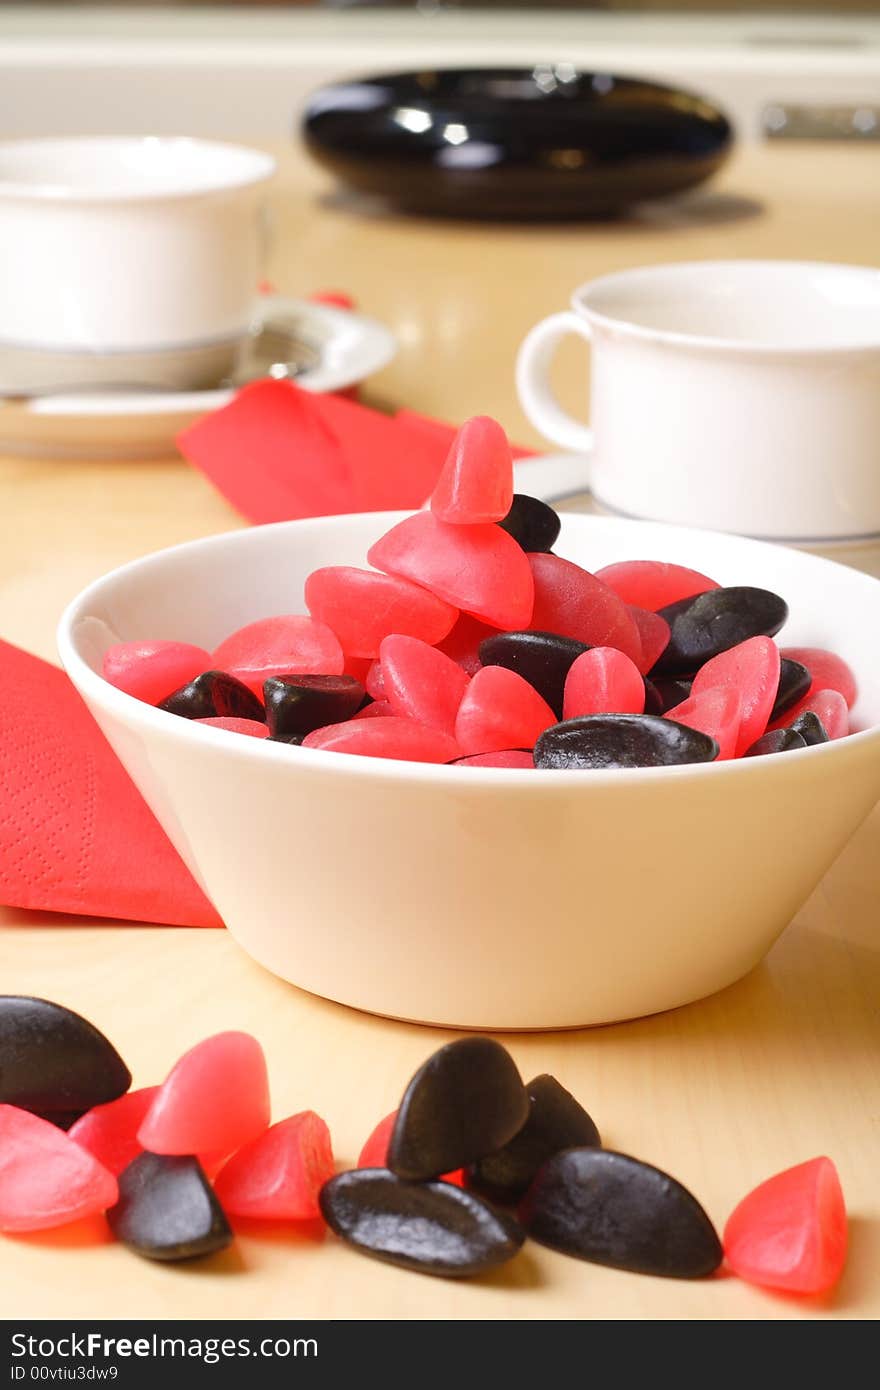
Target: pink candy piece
x=463, y=642
x=500, y=711
x=150, y=671
x=393, y=737
x=277, y=1177
x=359, y=667
x=752, y=669
x=476, y=484
x=109, y=1132
x=573, y=603
x=479, y=569
x=421, y=683
x=653, y=633
x=46, y=1179
x=214, y=1099
x=716, y=712
x=291, y=644
x=375, y=681
x=652, y=584
x=252, y=727
x=603, y=681
x=829, y=671
x=362, y=607
x=379, y=709
x=510, y=757
x=827, y=705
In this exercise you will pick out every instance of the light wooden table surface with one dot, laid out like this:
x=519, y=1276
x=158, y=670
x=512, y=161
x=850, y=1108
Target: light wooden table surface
x=779, y=1068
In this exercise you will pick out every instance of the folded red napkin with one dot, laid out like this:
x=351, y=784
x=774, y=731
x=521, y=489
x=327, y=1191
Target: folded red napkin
x=277, y=452
x=75, y=834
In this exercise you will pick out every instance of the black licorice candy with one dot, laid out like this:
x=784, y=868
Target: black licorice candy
x=167, y=1209
x=556, y=1121
x=215, y=695
x=794, y=682
x=467, y=1100
x=431, y=1227
x=533, y=524
x=810, y=728
x=295, y=705
x=600, y=742
x=544, y=659
x=611, y=1209
x=713, y=622
x=54, y=1062
x=775, y=741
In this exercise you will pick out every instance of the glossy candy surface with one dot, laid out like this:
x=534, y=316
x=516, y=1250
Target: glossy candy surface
x=714, y=622
x=604, y=741
x=602, y=681
x=167, y=1210
x=716, y=712
x=752, y=670
x=431, y=1227
x=297, y=704
x=653, y=635
x=534, y=526
x=362, y=607
x=794, y=682
x=653, y=584
x=500, y=710
x=542, y=658
x=109, y=1132
x=214, y=1099
x=285, y=645
x=791, y=1231
x=389, y=737
x=249, y=727
x=809, y=727
x=476, y=483
x=278, y=1175
x=463, y=642
x=829, y=706
x=775, y=741
x=54, y=1062
x=828, y=671
x=669, y=693
x=152, y=670
x=374, y=1154
x=45, y=1178
x=479, y=569
x=467, y=1100
x=215, y=695
x=556, y=1121
x=573, y=603
x=421, y=682
x=614, y=1210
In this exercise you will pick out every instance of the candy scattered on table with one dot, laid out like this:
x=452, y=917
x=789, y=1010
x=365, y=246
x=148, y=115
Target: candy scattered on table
x=791, y=1232
x=469, y=632
x=167, y=1210
x=556, y=1121
x=278, y=1175
x=53, y=1062
x=214, y=1099
x=374, y=1154
x=430, y=1227
x=46, y=1179
x=110, y=1131
x=615, y=1210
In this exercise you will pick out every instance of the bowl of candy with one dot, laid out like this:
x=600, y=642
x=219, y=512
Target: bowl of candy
x=472, y=767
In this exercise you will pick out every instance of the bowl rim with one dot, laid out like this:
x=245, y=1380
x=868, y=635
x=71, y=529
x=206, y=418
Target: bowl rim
x=92, y=686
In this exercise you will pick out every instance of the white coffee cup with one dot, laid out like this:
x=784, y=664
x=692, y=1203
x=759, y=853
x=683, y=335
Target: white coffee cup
x=126, y=260
x=738, y=395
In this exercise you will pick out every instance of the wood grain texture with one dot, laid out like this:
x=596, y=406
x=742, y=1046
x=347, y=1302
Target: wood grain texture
x=776, y=1069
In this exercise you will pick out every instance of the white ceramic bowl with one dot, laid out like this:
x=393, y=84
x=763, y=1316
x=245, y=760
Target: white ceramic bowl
x=484, y=898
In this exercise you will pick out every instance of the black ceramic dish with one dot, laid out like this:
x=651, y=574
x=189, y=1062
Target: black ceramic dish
x=540, y=143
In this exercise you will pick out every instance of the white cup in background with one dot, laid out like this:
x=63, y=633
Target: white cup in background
x=738, y=395
x=126, y=260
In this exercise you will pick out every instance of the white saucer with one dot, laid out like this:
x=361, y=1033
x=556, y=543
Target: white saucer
x=142, y=425
x=561, y=479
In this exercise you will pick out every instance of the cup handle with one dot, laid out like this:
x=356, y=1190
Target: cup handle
x=533, y=381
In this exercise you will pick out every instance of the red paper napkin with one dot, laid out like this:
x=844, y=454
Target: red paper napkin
x=75, y=834
x=277, y=452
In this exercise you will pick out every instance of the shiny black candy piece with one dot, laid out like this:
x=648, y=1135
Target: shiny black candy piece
x=669, y=693
x=167, y=1209
x=542, y=658
x=602, y=741
x=55, y=1063
x=776, y=741
x=295, y=705
x=534, y=526
x=431, y=1227
x=711, y=623
x=556, y=1121
x=810, y=728
x=467, y=1100
x=534, y=143
x=794, y=682
x=215, y=695
x=614, y=1210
